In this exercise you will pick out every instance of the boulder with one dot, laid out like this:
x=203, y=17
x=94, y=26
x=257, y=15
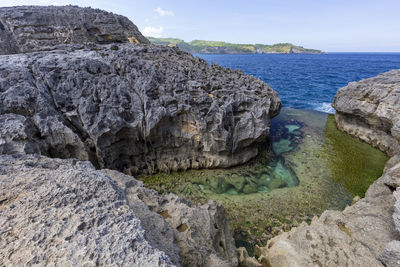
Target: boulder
x=33, y=28
x=369, y=110
x=133, y=108
x=65, y=212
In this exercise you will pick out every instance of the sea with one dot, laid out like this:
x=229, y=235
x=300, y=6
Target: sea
x=306, y=81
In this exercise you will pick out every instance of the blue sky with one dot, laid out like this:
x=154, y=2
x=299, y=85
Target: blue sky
x=330, y=25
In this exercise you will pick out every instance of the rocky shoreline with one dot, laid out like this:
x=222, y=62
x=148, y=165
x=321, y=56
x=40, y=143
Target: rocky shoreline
x=71, y=93
x=83, y=102
x=167, y=110
x=366, y=233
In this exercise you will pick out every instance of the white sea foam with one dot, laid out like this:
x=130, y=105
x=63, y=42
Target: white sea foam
x=324, y=107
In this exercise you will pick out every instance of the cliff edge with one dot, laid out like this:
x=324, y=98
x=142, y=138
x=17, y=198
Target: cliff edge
x=80, y=85
x=32, y=28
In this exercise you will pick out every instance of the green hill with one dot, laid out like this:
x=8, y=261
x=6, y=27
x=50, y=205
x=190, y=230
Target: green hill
x=216, y=47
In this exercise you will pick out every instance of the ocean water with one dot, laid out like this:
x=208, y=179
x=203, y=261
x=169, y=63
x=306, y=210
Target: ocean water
x=309, y=81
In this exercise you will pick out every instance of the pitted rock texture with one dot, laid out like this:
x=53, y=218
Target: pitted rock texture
x=370, y=108
x=65, y=213
x=137, y=109
x=32, y=28
x=201, y=233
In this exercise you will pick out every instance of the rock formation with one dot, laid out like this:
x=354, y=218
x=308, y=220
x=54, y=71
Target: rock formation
x=369, y=109
x=368, y=232
x=92, y=88
x=134, y=108
x=32, y=28
x=65, y=212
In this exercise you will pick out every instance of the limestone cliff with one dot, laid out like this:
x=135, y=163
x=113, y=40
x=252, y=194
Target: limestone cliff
x=31, y=28
x=134, y=108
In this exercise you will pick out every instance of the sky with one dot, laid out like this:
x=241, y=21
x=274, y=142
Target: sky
x=329, y=25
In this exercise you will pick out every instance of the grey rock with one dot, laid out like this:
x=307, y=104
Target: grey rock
x=392, y=176
x=396, y=213
x=87, y=217
x=32, y=28
x=57, y=212
x=200, y=235
x=391, y=254
x=134, y=108
x=245, y=260
x=370, y=108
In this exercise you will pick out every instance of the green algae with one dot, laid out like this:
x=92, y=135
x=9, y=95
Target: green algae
x=278, y=202
x=352, y=162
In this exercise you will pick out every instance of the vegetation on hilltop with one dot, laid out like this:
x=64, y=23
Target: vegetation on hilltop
x=218, y=47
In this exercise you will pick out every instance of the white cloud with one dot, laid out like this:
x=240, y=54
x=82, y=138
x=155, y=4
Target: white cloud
x=153, y=31
x=163, y=12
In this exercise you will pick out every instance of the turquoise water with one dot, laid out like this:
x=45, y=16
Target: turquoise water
x=307, y=167
x=264, y=178
x=309, y=81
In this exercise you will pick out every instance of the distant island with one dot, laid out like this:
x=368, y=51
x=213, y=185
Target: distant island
x=216, y=47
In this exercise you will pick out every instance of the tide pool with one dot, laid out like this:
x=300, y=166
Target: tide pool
x=307, y=166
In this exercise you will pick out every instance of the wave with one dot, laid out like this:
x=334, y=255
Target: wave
x=324, y=107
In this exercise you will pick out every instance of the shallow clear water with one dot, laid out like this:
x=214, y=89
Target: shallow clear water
x=309, y=81
x=311, y=167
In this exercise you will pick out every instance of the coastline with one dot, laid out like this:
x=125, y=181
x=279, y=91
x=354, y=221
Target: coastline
x=88, y=104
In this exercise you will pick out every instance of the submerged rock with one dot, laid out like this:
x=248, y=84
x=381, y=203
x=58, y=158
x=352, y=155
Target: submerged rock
x=65, y=212
x=33, y=28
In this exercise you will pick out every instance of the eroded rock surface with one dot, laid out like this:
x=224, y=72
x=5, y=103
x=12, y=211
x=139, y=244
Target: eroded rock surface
x=134, y=108
x=369, y=109
x=201, y=233
x=32, y=28
x=65, y=212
